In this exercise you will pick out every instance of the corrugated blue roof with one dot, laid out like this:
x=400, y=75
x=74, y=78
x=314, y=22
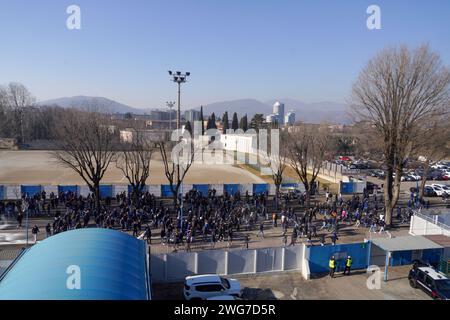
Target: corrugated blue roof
x=112, y=267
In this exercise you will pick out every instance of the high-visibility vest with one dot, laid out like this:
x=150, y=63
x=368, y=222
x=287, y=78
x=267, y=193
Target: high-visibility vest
x=348, y=263
x=332, y=264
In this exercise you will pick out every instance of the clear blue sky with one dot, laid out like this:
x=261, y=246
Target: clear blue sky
x=262, y=49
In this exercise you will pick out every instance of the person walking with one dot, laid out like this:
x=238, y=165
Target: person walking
x=332, y=265
x=247, y=240
x=261, y=230
x=48, y=230
x=34, y=232
x=348, y=265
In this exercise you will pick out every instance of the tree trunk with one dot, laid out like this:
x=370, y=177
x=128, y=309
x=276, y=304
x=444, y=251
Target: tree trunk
x=426, y=169
x=277, y=194
x=97, y=196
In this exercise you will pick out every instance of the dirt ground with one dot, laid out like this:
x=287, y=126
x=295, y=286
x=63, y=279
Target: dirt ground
x=291, y=286
x=38, y=167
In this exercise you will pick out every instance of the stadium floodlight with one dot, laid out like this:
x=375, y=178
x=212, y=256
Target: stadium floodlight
x=179, y=78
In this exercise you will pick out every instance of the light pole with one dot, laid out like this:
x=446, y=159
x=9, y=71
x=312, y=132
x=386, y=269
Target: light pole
x=170, y=105
x=179, y=78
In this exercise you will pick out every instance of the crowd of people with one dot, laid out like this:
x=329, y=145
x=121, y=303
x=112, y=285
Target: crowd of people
x=208, y=218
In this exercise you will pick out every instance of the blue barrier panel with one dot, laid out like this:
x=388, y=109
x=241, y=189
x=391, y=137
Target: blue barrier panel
x=400, y=258
x=320, y=256
x=347, y=187
x=231, y=188
x=106, y=191
x=65, y=189
x=202, y=188
x=130, y=189
x=2, y=192
x=30, y=190
x=166, y=191
x=260, y=188
x=432, y=256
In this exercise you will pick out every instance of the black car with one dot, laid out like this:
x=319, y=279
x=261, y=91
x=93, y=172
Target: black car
x=432, y=282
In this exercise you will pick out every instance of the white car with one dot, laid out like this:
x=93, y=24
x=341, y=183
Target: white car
x=438, y=190
x=445, y=188
x=203, y=287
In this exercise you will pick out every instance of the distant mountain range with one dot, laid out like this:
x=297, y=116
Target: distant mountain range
x=331, y=112
x=92, y=103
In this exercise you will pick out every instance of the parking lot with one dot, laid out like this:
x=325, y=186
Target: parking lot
x=291, y=286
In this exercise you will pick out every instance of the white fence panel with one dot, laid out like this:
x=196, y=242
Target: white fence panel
x=218, y=188
x=50, y=189
x=118, y=189
x=13, y=192
x=154, y=189
x=212, y=261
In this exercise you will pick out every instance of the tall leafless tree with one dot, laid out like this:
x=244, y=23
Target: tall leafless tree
x=177, y=160
x=397, y=91
x=16, y=98
x=308, y=149
x=87, y=145
x=133, y=160
x=276, y=161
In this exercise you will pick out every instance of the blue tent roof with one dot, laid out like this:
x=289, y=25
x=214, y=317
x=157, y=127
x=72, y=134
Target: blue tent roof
x=112, y=267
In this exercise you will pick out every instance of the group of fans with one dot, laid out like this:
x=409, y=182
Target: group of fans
x=208, y=218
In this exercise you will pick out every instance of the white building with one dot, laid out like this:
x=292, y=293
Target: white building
x=278, y=109
x=289, y=119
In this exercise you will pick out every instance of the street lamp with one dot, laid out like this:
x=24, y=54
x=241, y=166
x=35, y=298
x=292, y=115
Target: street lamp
x=179, y=78
x=170, y=105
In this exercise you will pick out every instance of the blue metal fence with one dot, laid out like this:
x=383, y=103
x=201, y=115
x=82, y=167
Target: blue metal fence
x=231, y=188
x=166, y=191
x=106, y=191
x=260, y=188
x=319, y=256
x=64, y=189
x=2, y=192
x=30, y=191
x=202, y=188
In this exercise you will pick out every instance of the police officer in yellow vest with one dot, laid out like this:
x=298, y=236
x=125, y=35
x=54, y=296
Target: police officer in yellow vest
x=348, y=265
x=332, y=265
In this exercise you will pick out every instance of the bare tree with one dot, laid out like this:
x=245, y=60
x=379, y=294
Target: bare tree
x=309, y=148
x=134, y=162
x=177, y=159
x=276, y=160
x=396, y=92
x=86, y=145
x=16, y=98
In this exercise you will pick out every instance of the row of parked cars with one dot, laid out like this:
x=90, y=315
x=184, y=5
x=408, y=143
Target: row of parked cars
x=434, y=190
x=435, y=173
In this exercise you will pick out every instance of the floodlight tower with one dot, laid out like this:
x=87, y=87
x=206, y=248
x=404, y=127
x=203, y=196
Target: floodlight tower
x=179, y=78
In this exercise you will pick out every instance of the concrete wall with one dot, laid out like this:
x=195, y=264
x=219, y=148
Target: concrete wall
x=175, y=267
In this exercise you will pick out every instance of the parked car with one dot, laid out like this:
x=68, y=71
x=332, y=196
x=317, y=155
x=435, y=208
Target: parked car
x=345, y=158
x=438, y=190
x=427, y=191
x=432, y=282
x=445, y=188
x=202, y=287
